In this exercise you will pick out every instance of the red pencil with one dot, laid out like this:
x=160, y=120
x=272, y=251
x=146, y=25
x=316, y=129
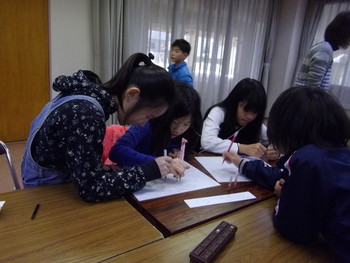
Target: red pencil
x=228, y=150
x=232, y=141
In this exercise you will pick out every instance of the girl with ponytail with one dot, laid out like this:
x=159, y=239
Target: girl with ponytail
x=65, y=139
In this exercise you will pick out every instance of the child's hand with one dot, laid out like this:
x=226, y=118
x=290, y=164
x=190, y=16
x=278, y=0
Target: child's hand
x=178, y=168
x=255, y=149
x=175, y=153
x=278, y=187
x=271, y=153
x=163, y=163
x=232, y=157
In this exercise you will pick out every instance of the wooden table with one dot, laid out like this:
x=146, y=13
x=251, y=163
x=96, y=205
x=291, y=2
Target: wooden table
x=67, y=229
x=256, y=241
x=171, y=214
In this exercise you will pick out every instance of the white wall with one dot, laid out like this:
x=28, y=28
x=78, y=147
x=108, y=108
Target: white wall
x=70, y=37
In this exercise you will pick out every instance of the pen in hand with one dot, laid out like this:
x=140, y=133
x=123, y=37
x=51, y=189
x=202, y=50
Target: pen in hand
x=233, y=140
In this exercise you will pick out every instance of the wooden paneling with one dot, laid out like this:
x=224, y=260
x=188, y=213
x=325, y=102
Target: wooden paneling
x=24, y=65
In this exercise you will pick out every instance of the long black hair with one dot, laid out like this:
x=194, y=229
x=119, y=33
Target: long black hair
x=252, y=93
x=155, y=83
x=304, y=115
x=187, y=102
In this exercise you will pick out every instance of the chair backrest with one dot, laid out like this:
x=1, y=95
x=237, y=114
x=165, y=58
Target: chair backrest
x=6, y=151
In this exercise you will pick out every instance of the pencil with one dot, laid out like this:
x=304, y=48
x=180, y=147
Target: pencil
x=35, y=211
x=233, y=140
x=228, y=150
x=182, y=151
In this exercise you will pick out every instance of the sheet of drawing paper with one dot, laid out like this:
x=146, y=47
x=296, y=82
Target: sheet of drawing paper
x=220, y=171
x=193, y=180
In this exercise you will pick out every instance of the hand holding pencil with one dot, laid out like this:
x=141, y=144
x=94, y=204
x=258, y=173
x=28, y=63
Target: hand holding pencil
x=164, y=164
x=178, y=168
x=177, y=165
x=234, y=137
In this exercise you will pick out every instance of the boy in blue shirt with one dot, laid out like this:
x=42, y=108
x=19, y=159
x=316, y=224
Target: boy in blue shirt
x=180, y=49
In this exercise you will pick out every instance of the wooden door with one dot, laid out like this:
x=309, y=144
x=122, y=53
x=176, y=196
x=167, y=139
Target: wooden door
x=24, y=65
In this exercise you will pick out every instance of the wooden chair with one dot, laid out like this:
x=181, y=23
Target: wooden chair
x=5, y=150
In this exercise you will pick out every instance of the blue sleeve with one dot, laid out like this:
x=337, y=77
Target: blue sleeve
x=125, y=152
x=262, y=174
x=184, y=75
x=187, y=77
x=188, y=80
x=301, y=209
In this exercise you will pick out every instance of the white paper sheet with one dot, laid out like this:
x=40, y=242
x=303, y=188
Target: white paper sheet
x=193, y=180
x=220, y=171
x=219, y=199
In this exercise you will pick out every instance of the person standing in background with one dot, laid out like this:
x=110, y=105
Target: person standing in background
x=315, y=70
x=180, y=49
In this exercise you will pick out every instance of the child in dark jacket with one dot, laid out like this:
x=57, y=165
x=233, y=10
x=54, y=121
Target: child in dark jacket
x=141, y=144
x=311, y=128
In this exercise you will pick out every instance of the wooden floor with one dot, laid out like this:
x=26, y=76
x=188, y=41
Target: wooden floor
x=16, y=151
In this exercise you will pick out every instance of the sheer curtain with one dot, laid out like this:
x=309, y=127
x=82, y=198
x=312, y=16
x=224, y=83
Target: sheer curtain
x=230, y=39
x=107, y=37
x=311, y=22
x=108, y=28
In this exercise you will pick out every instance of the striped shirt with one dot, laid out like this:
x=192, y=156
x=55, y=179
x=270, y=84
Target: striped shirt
x=315, y=70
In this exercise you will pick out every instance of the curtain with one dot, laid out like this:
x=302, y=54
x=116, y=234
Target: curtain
x=311, y=22
x=230, y=39
x=270, y=41
x=108, y=26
